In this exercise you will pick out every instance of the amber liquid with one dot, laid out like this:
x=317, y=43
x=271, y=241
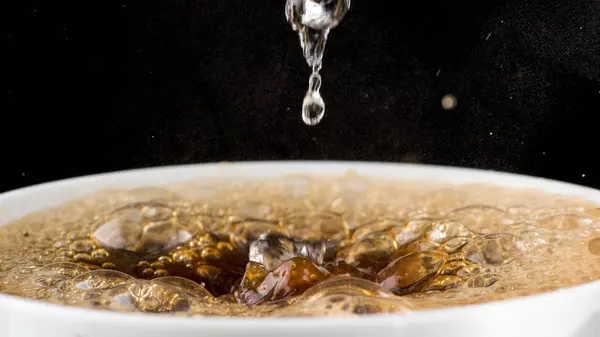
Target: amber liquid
x=301, y=246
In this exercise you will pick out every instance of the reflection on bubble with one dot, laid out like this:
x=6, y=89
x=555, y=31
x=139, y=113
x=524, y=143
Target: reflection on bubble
x=408, y=271
x=494, y=249
x=52, y=274
x=143, y=228
x=192, y=288
x=482, y=218
x=99, y=280
x=349, y=286
x=443, y=231
x=145, y=296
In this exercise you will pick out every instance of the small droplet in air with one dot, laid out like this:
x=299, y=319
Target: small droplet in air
x=313, y=108
x=449, y=102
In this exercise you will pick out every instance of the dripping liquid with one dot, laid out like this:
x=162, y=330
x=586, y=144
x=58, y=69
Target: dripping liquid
x=313, y=20
x=300, y=246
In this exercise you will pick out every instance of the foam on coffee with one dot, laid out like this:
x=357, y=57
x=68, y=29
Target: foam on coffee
x=301, y=246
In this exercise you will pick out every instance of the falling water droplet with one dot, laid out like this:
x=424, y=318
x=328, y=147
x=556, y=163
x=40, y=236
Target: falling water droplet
x=313, y=108
x=313, y=20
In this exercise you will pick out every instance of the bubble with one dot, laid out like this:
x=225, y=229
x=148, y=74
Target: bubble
x=483, y=281
x=412, y=231
x=52, y=274
x=150, y=296
x=144, y=228
x=82, y=246
x=212, y=275
x=406, y=272
x=592, y=213
x=375, y=227
x=210, y=254
x=455, y=244
x=442, y=231
x=203, y=241
x=160, y=273
x=184, y=256
x=442, y=283
x=344, y=305
x=342, y=268
x=82, y=257
x=291, y=278
x=190, y=287
x=374, y=248
x=99, y=280
x=494, y=249
x=594, y=246
x=349, y=286
x=313, y=108
x=316, y=226
x=481, y=218
x=452, y=268
x=255, y=210
x=109, y=265
x=419, y=246
x=564, y=222
x=156, y=265
x=100, y=255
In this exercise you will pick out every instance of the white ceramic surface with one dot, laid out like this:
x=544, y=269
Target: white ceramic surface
x=573, y=312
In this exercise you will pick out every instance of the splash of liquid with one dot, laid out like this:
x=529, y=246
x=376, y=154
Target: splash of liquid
x=312, y=20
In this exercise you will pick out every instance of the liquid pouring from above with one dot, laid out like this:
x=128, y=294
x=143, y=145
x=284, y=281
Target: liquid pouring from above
x=312, y=20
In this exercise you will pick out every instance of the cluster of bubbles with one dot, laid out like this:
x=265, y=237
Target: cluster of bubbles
x=304, y=246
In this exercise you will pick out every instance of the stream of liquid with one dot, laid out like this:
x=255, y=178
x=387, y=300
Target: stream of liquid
x=313, y=20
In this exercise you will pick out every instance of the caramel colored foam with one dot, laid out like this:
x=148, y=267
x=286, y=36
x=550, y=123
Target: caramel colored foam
x=301, y=246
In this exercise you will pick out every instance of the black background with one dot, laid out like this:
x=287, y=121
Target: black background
x=96, y=86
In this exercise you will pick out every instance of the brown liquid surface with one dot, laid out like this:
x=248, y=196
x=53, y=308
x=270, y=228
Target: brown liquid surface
x=301, y=246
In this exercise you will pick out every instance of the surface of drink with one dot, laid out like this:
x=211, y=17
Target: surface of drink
x=301, y=246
